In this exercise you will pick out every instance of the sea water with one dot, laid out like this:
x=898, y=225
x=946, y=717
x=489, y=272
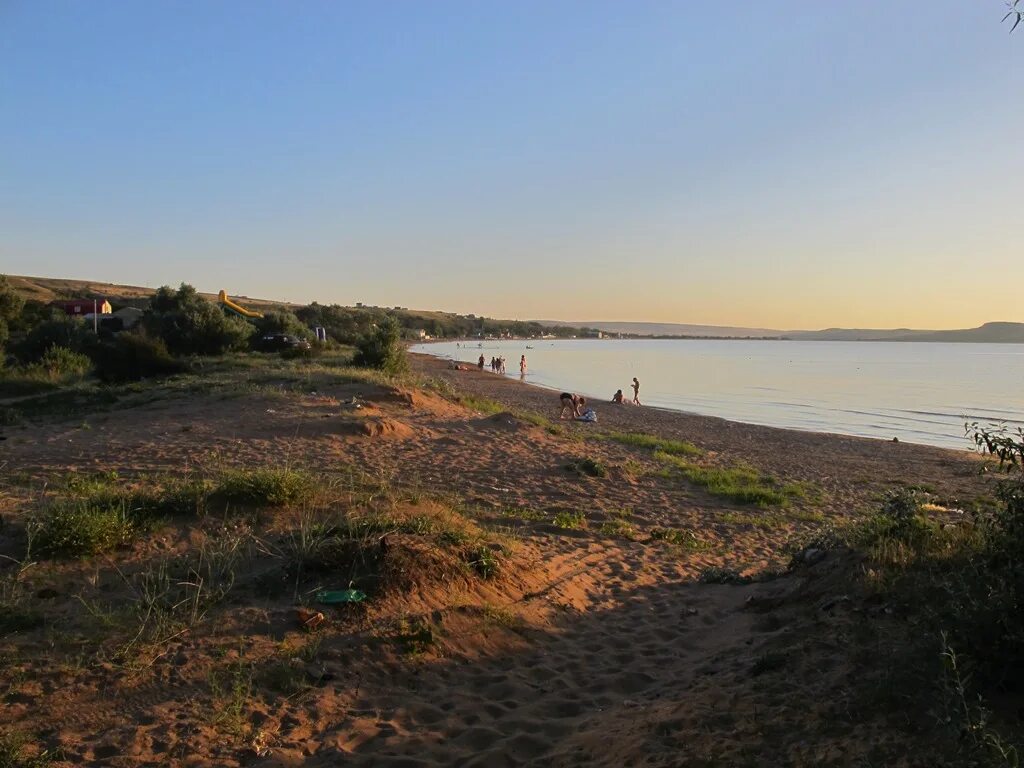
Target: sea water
x=916, y=391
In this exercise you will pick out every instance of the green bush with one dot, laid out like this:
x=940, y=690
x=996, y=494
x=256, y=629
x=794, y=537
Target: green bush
x=283, y=321
x=382, y=348
x=11, y=304
x=62, y=364
x=70, y=333
x=190, y=325
x=130, y=357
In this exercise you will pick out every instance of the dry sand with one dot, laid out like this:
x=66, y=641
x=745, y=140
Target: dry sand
x=589, y=648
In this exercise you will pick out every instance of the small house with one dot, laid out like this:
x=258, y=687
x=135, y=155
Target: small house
x=82, y=307
x=129, y=316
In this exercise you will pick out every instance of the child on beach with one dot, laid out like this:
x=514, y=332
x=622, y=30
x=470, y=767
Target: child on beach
x=618, y=398
x=636, y=391
x=522, y=365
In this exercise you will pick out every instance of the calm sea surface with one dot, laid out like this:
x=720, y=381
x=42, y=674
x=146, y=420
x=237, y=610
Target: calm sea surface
x=918, y=392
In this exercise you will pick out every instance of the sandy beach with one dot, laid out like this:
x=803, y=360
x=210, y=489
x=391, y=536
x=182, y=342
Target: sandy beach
x=594, y=643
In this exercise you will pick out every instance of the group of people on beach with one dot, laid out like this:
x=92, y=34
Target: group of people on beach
x=619, y=399
x=498, y=364
x=573, y=404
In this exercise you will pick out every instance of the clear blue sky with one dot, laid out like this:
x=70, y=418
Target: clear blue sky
x=787, y=164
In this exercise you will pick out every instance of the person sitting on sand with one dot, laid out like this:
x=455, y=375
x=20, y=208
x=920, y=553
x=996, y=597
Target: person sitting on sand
x=618, y=398
x=636, y=391
x=573, y=403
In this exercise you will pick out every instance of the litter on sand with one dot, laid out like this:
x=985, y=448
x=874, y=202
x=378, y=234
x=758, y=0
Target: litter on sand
x=340, y=596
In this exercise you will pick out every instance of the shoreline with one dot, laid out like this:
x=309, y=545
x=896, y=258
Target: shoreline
x=599, y=400
x=842, y=462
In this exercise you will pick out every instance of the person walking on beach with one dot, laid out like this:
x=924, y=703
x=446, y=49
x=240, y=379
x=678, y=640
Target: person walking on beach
x=636, y=391
x=480, y=363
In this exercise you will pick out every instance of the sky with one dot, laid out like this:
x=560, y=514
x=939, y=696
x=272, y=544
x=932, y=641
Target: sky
x=780, y=165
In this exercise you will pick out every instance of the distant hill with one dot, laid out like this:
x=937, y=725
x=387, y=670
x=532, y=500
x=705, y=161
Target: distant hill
x=48, y=289
x=671, y=329
x=994, y=333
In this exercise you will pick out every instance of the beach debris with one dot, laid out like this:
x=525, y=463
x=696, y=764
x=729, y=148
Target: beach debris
x=809, y=556
x=340, y=596
x=309, y=619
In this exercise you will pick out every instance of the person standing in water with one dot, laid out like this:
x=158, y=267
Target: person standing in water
x=480, y=363
x=522, y=365
x=636, y=391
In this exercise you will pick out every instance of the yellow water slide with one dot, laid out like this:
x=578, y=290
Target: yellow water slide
x=238, y=309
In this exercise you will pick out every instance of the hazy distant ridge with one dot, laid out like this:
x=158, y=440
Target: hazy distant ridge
x=995, y=332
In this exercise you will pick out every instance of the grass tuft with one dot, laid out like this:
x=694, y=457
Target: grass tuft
x=264, y=487
x=655, y=443
x=587, y=467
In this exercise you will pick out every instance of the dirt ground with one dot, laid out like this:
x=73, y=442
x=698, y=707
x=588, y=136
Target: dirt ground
x=596, y=643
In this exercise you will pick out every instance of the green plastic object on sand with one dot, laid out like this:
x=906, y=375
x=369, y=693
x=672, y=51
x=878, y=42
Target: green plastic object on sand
x=340, y=596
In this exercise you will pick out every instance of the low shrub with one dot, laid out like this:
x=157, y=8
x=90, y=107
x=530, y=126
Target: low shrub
x=62, y=364
x=70, y=333
x=131, y=357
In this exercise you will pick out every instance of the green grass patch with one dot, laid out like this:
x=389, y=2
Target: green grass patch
x=264, y=487
x=740, y=484
x=84, y=527
x=679, y=537
x=573, y=521
x=482, y=404
x=18, y=751
x=587, y=467
x=618, y=527
x=655, y=443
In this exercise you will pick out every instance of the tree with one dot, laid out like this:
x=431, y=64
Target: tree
x=190, y=325
x=11, y=304
x=1016, y=13
x=382, y=348
x=283, y=321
